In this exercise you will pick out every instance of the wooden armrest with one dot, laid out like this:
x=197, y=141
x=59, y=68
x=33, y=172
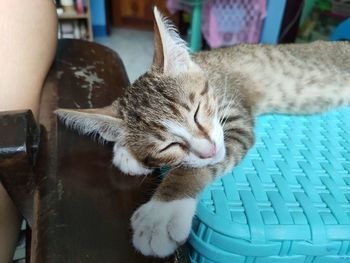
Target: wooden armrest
x=18, y=147
x=84, y=204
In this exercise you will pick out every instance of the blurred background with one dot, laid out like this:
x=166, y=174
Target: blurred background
x=126, y=25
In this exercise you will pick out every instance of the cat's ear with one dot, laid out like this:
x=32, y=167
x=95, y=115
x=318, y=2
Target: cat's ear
x=171, y=52
x=102, y=121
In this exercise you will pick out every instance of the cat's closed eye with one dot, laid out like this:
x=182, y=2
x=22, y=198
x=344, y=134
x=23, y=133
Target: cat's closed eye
x=173, y=144
x=196, y=114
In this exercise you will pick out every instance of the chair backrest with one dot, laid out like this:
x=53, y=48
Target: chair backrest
x=272, y=24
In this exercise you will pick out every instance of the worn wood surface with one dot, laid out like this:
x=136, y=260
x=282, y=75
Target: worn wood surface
x=83, y=205
x=18, y=146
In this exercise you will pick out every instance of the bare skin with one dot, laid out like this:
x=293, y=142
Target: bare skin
x=28, y=31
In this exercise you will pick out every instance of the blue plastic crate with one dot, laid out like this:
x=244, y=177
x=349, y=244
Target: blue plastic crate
x=289, y=199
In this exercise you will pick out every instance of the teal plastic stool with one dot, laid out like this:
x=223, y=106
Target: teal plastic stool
x=289, y=199
x=270, y=31
x=196, y=23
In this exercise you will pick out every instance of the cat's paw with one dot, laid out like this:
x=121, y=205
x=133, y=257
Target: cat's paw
x=124, y=160
x=160, y=227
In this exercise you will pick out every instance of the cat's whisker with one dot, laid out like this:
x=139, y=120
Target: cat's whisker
x=175, y=167
x=225, y=91
x=143, y=179
x=223, y=125
x=226, y=110
x=228, y=101
x=222, y=113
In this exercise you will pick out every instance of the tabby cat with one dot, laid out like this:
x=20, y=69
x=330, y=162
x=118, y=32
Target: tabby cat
x=195, y=113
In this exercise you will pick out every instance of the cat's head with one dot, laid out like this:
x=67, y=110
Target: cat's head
x=167, y=117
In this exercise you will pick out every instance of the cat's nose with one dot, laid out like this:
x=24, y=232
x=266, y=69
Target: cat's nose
x=210, y=152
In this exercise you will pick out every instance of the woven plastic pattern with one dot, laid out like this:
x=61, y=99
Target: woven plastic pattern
x=289, y=199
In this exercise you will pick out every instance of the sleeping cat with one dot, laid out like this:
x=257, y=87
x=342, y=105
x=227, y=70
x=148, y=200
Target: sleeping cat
x=195, y=114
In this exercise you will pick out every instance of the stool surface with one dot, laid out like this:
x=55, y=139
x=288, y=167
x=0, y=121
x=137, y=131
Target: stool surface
x=289, y=199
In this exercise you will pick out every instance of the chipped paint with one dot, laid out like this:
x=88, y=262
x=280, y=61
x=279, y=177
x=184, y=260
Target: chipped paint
x=76, y=105
x=90, y=78
x=59, y=74
x=60, y=190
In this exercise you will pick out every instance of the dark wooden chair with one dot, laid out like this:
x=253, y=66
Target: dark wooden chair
x=77, y=204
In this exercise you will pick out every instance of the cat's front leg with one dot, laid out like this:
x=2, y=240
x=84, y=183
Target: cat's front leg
x=161, y=226
x=164, y=222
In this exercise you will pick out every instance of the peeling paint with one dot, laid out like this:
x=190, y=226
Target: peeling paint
x=60, y=190
x=59, y=74
x=76, y=105
x=90, y=78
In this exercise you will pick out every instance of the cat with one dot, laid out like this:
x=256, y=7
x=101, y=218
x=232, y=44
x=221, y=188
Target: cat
x=195, y=114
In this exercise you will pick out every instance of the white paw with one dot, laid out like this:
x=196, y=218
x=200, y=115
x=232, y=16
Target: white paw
x=160, y=227
x=123, y=159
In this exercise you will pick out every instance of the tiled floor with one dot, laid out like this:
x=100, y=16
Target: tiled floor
x=134, y=47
